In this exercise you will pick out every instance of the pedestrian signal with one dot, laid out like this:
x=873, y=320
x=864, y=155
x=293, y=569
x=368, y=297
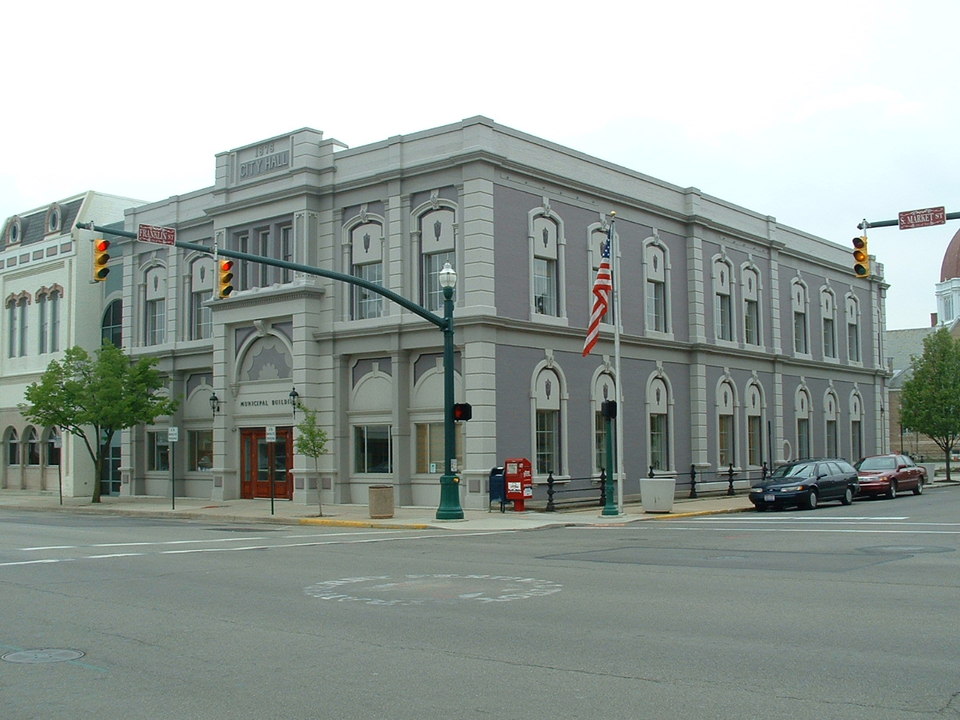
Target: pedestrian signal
x=462, y=412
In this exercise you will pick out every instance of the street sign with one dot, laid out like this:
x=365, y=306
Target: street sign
x=922, y=218
x=156, y=234
x=173, y=434
x=271, y=433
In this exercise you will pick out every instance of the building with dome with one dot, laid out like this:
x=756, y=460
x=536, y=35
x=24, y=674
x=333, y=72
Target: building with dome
x=902, y=345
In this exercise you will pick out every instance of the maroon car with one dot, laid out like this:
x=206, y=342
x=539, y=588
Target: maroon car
x=888, y=475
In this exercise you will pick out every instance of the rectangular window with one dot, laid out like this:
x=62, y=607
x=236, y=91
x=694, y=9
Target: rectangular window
x=367, y=304
x=42, y=307
x=261, y=271
x=656, y=306
x=548, y=442
x=23, y=326
x=54, y=302
x=724, y=317
x=242, y=267
x=11, y=330
x=201, y=316
x=158, y=451
x=726, y=441
x=853, y=342
x=156, y=317
x=833, y=444
x=803, y=438
x=372, y=451
x=545, y=286
x=800, y=332
x=201, y=450
x=751, y=322
x=430, y=447
x=829, y=339
x=659, y=442
x=431, y=291
x=600, y=441
x=754, y=440
x=286, y=251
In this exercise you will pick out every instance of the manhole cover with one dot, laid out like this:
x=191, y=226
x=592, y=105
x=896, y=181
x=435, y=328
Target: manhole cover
x=407, y=590
x=42, y=656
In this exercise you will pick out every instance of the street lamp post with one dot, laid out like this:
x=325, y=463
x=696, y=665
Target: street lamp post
x=449, y=482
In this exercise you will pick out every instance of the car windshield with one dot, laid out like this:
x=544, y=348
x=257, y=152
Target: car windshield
x=798, y=470
x=877, y=463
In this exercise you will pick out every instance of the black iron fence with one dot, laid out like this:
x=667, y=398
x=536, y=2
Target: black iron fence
x=591, y=490
x=730, y=475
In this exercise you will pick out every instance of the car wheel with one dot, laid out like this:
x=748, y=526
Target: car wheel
x=892, y=490
x=847, y=496
x=811, y=500
x=918, y=490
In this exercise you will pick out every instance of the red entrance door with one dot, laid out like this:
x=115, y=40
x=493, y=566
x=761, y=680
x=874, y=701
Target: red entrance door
x=265, y=466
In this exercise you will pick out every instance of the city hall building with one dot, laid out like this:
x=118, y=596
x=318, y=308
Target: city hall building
x=743, y=342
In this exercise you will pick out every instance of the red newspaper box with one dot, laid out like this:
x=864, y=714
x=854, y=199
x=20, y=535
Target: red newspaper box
x=518, y=477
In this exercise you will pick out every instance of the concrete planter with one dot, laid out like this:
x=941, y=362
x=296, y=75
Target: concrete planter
x=656, y=494
x=381, y=501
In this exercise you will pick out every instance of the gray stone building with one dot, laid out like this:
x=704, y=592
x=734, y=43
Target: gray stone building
x=743, y=341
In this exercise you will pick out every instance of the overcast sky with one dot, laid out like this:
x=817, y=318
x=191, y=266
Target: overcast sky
x=820, y=113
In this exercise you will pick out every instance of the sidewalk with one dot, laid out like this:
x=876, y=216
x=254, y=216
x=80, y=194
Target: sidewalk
x=287, y=513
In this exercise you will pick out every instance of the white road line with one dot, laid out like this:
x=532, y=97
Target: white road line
x=819, y=530
x=340, y=541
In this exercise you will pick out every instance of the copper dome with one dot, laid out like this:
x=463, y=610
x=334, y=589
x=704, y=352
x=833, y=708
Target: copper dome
x=951, y=260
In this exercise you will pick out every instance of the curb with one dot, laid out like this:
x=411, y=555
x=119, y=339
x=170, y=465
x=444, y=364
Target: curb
x=331, y=522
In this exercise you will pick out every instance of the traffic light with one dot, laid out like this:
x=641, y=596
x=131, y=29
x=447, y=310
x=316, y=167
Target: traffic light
x=225, y=278
x=101, y=256
x=462, y=412
x=608, y=409
x=861, y=256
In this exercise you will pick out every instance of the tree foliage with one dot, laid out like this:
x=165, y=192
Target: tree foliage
x=93, y=398
x=930, y=399
x=311, y=441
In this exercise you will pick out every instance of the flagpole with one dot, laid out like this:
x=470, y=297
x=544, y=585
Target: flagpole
x=615, y=259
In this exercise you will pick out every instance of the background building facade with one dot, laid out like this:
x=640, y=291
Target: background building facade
x=50, y=303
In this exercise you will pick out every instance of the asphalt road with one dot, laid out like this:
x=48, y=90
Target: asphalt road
x=843, y=612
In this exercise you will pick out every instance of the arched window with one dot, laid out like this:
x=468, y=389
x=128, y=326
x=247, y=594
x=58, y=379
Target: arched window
x=856, y=426
x=853, y=330
x=656, y=275
x=436, y=224
x=111, y=327
x=604, y=388
x=831, y=415
x=828, y=314
x=546, y=261
x=798, y=296
x=750, y=291
x=53, y=447
x=202, y=277
x=32, y=446
x=802, y=414
x=723, y=300
x=658, y=415
x=548, y=429
x=753, y=408
x=12, y=442
x=726, y=425
x=365, y=244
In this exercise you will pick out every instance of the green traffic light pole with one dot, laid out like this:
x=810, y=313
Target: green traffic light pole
x=450, y=508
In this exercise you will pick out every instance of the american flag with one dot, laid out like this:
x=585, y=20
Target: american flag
x=602, y=287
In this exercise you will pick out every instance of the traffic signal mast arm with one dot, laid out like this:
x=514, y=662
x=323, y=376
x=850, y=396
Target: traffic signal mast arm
x=891, y=223
x=297, y=267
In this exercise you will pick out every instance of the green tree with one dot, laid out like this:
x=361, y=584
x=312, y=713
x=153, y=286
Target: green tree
x=94, y=397
x=312, y=442
x=930, y=399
